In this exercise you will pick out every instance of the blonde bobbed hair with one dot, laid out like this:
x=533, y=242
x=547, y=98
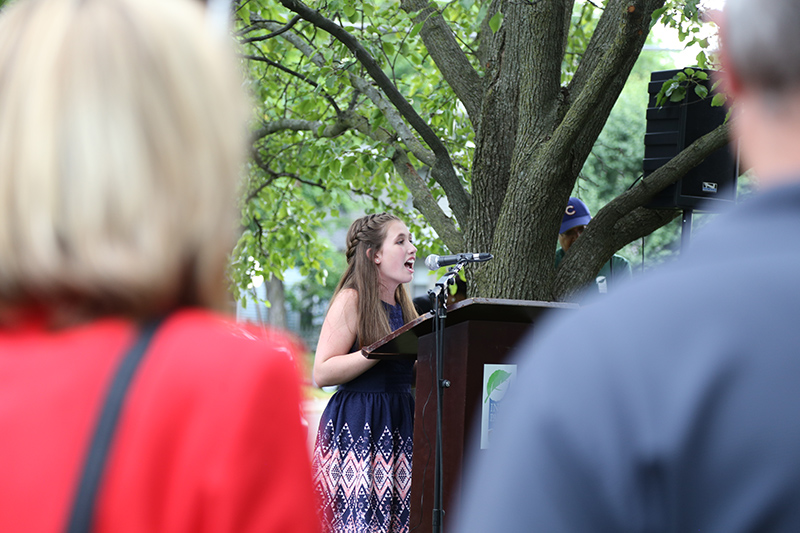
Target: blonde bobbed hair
x=122, y=132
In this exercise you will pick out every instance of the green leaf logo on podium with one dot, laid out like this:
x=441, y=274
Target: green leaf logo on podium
x=498, y=378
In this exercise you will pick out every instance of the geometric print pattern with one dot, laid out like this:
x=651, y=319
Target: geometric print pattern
x=364, y=483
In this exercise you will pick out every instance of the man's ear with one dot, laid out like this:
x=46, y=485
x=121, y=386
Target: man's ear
x=730, y=82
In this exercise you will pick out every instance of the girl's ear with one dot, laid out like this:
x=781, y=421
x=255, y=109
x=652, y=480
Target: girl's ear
x=376, y=258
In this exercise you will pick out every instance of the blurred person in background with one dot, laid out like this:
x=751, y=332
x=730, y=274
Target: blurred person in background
x=673, y=404
x=614, y=272
x=122, y=134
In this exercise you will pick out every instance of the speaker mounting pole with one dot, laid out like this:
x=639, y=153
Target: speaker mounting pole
x=686, y=228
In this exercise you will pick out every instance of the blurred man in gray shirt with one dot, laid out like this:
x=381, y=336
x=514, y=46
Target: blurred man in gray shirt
x=674, y=405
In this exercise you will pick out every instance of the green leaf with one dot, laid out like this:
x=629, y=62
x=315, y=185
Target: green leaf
x=658, y=12
x=415, y=30
x=701, y=91
x=674, y=85
x=678, y=94
x=496, y=21
x=702, y=59
x=497, y=378
x=719, y=100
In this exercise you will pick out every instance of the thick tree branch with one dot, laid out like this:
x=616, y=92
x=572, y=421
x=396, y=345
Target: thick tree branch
x=624, y=219
x=602, y=39
x=317, y=127
x=605, y=83
x=454, y=65
x=537, y=37
x=443, y=171
x=426, y=204
x=395, y=120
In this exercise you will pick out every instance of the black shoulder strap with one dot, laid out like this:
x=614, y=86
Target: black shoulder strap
x=80, y=520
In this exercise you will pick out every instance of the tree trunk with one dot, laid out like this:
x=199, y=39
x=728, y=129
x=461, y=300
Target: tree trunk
x=277, y=300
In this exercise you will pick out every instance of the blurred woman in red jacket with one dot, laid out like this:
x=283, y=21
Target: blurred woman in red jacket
x=122, y=132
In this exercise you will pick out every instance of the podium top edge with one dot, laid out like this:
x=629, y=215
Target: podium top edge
x=403, y=341
x=511, y=303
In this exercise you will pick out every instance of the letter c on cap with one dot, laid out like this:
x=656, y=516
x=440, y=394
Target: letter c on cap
x=570, y=210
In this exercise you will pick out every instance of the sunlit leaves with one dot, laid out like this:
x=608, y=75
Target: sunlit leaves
x=584, y=21
x=686, y=17
x=675, y=89
x=301, y=177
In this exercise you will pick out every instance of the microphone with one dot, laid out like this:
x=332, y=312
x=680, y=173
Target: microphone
x=435, y=262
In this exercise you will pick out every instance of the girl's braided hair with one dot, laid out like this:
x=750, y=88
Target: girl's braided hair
x=364, y=238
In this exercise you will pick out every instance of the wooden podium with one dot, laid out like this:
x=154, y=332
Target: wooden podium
x=477, y=331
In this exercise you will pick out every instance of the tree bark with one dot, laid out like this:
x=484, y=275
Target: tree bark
x=448, y=56
x=277, y=300
x=550, y=151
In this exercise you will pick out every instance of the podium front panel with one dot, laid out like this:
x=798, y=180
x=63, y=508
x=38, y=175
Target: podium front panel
x=468, y=346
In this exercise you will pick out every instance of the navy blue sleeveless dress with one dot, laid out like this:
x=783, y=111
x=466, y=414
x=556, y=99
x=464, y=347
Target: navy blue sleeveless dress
x=363, y=450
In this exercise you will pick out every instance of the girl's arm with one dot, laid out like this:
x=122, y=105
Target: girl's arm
x=333, y=365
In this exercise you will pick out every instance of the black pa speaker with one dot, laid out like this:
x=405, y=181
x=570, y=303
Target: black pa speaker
x=709, y=186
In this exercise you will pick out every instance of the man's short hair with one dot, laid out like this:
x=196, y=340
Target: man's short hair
x=762, y=39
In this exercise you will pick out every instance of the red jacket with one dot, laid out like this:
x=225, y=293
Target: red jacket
x=210, y=437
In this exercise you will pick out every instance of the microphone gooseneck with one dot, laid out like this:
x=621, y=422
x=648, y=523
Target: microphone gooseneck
x=435, y=262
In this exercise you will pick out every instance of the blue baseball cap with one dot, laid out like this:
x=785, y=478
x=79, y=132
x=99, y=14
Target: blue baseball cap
x=576, y=214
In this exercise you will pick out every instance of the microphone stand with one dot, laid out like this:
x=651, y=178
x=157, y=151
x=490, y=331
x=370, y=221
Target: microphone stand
x=438, y=296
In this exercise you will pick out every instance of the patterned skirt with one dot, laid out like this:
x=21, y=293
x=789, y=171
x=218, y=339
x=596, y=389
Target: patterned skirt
x=362, y=461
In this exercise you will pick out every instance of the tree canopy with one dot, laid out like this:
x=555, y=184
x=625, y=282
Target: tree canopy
x=481, y=114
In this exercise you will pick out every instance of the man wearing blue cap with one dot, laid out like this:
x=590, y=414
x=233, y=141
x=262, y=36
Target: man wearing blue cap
x=575, y=219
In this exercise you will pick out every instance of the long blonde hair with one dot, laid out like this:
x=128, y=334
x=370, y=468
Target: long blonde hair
x=122, y=135
x=365, y=238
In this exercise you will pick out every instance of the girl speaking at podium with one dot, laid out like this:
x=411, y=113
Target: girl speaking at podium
x=362, y=455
